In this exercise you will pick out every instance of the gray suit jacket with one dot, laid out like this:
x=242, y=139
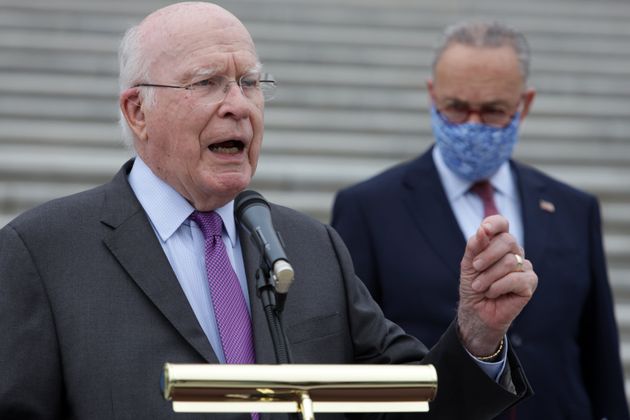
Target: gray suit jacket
x=90, y=310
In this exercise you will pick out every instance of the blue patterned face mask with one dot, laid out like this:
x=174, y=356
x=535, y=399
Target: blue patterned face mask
x=471, y=150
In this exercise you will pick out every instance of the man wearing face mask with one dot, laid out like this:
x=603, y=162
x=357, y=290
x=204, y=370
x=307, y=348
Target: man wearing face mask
x=406, y=227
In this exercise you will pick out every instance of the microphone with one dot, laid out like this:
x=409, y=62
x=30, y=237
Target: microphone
x=252, y=211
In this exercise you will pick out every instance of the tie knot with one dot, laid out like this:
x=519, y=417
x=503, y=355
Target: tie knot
x=209, y=222
x=483, y=189
x=486, y=193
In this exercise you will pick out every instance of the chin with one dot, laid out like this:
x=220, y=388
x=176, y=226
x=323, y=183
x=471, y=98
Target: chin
x=230, y=186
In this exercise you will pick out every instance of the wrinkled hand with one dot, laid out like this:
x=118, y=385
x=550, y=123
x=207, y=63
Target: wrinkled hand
x=493, y=288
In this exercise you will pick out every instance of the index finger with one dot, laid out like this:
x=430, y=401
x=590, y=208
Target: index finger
x=494, y=225
x=490, y=227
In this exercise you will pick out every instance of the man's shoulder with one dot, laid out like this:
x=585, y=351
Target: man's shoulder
x=530, y=175
x=389, y=180
x=299, y=230
x=286, y=216
x=59, y=210
x=70, y=210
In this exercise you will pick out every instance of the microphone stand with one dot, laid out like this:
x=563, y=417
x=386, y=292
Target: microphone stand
x=273, y=303
x=272, y=306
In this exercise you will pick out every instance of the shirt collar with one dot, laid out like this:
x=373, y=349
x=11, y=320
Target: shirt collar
x=455, y=186
x=166, y=208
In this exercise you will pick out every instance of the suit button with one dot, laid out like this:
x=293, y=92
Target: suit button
x=516, y=340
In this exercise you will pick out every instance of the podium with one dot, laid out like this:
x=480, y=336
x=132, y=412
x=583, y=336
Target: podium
x=295, y=388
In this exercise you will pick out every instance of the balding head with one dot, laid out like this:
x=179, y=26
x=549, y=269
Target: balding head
x=160, y=37
x=163, y=34
x=184, y=108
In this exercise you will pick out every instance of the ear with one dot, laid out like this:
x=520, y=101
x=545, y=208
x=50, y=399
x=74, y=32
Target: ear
x=131, y=107
x=431, y=90
x=528, y=98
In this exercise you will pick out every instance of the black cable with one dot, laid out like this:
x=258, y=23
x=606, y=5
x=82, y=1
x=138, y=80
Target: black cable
x=267, y=295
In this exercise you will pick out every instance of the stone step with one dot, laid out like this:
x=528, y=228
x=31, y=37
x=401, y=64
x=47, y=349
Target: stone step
x=74, y=34
x=359, y=46
x=32, y=86
x=625, y=358
x=328, y=171
x=606, y=182
x=406, y=146
x=616, y=217
x=61, y=164
x=393, y=147
x=37, y=132
x=381, y=122
x=24, y=190
x=39, y=72
x=19, y=195
x=411, y=13
x=23, y=68
x=407, y=122
x=622, y=314
x=346, y=136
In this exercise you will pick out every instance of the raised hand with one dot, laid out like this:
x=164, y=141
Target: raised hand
x=496, y=282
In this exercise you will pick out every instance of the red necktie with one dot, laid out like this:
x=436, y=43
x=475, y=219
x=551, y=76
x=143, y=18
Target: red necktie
x=485, y=191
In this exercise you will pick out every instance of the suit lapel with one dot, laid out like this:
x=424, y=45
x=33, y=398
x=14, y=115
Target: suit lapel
x=133, y=243
x=536, y=217
x=431, y=212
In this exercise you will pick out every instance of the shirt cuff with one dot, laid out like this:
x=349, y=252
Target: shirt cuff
x=493, y=369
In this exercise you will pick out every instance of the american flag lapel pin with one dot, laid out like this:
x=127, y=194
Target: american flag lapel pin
x=547, y=206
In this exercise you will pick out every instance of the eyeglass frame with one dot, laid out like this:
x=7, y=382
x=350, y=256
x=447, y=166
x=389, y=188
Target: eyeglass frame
x=266, y=79
x=480, y=112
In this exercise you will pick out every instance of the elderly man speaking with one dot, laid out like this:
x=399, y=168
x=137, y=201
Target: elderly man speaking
x=100, y=289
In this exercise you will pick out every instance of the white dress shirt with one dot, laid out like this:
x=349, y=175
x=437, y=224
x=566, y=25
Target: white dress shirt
x=183, y=243
x=468, y=207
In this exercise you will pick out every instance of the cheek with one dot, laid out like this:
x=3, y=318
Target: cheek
x=181, y=124
x=254, y=154
x=172, y=145
x=257, y=121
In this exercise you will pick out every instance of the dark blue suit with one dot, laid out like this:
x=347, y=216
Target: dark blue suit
x=406, y=246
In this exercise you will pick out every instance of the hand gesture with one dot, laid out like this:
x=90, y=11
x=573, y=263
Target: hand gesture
x=496, y=282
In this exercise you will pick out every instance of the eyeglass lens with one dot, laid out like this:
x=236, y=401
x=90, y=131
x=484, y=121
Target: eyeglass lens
x=251, y=85
x=460, y=113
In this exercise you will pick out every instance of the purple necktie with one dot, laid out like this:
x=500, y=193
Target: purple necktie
x=230, y=309
x=485, y=191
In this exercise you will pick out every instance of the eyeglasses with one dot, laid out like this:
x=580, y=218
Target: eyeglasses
x=459, y=112
x=215, y=88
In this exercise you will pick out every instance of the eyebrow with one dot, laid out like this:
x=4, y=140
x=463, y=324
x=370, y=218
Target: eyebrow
x=206, y=71
x=198, y=72
x=483, y=104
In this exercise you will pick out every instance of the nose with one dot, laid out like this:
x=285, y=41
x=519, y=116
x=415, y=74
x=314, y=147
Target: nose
x=228, y=88
x=474, y=116
x=235, y=104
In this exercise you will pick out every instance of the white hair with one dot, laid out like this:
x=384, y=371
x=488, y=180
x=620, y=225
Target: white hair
x=486, y=34
x=134, y=69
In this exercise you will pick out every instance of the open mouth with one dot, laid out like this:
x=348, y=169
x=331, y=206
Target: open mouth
x=230, y=147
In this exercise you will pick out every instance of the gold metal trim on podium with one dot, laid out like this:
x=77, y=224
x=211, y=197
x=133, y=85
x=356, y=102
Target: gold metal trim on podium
x=305, y=389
